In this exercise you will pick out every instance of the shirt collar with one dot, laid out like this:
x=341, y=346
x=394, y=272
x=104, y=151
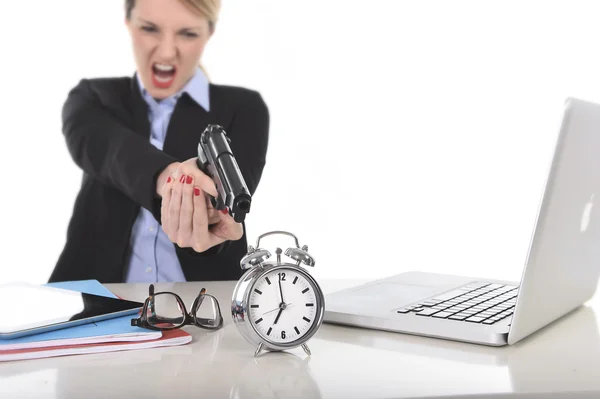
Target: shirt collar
x=197, y=87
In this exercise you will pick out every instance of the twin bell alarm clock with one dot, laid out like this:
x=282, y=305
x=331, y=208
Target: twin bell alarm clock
x=277, y=305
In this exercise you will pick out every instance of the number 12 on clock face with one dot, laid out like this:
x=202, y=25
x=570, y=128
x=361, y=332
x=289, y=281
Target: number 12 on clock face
x=282, y=306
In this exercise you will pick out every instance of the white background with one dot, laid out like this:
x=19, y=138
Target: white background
x=404, y=135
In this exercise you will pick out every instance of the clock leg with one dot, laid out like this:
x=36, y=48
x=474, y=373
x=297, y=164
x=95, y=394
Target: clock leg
x=258, y=349
x=305, y=347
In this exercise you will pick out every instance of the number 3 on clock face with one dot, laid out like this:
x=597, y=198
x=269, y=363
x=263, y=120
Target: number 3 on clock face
x=282, y=306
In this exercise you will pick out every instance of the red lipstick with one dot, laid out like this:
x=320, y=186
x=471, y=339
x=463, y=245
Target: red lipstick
x=163, y=76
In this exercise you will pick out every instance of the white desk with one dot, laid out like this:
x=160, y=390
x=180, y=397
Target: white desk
x=345, y=363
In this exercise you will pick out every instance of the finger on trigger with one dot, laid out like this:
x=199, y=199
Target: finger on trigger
x=206, y=183
x=200, y=215
x=209, y=204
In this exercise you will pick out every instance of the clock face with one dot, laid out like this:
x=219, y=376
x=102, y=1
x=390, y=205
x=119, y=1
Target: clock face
x=283, y=306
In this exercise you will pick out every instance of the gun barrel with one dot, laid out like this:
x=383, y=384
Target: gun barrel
x=216, y=159
x=239, y=198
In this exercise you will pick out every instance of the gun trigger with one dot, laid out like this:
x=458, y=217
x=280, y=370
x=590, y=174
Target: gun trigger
x=200, y=165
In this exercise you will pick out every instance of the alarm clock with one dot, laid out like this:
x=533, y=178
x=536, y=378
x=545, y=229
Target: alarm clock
x=277, y=305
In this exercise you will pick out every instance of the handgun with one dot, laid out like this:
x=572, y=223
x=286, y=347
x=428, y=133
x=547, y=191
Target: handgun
x=216, y=160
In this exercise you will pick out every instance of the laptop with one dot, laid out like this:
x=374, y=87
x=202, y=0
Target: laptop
x=561, y=268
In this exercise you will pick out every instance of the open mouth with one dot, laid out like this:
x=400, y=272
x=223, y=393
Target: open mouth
x=163, y=75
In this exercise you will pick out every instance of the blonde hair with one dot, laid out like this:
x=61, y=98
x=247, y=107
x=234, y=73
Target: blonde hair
x=209, y=8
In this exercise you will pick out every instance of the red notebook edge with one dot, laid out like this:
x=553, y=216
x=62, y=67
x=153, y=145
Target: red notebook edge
x=169, y=338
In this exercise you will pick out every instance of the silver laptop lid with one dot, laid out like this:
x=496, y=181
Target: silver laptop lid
x=563, y=263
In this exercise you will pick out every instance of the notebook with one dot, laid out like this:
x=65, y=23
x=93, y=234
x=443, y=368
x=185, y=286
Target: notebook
x=104, y=336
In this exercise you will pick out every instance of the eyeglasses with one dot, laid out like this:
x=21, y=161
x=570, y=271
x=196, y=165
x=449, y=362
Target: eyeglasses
x=166, y=311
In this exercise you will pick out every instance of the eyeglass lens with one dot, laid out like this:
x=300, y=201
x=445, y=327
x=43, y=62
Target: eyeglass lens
x=206, y=311
x=165, y=309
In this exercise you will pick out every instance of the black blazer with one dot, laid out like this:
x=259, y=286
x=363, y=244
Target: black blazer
x=106, y=127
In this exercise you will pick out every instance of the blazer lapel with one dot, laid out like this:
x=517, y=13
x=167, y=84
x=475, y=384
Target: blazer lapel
x=141, y=123
x=188, y=121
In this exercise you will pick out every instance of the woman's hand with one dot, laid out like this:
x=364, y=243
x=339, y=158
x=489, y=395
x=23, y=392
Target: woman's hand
x=187, y=215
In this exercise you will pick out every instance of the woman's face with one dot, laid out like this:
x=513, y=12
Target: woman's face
x=168, y=40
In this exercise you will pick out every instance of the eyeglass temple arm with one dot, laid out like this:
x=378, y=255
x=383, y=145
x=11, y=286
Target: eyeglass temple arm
x=138, y=322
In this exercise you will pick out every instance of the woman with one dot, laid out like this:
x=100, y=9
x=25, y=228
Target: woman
x=141, y=214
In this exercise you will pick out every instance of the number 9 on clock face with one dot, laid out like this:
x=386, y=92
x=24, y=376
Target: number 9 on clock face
x=284, y=305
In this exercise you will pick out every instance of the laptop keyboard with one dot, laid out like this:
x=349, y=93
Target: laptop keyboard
x=477, y=302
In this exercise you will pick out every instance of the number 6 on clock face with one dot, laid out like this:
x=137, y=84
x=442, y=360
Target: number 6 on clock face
x=283, y=305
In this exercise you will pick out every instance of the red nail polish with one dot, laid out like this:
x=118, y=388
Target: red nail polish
x=224, y=211
x=182, y=179
x=188, y=180
x=196, y=191
x=169, y=179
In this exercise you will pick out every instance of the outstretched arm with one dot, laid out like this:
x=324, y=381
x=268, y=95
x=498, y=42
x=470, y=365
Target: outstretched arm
x=104, y=147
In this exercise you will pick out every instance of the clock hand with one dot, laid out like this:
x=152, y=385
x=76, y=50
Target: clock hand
x=287, y=305
x=280, y=290
x=271, y=311
x=278, y=314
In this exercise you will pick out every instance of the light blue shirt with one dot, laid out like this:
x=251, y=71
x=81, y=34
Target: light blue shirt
x=153, y=258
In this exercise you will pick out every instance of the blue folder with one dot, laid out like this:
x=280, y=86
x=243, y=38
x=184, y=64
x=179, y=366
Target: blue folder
x=86, y=286
x=118, y=325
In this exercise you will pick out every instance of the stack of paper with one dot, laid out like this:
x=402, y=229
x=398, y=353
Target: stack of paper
x=104, y=336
